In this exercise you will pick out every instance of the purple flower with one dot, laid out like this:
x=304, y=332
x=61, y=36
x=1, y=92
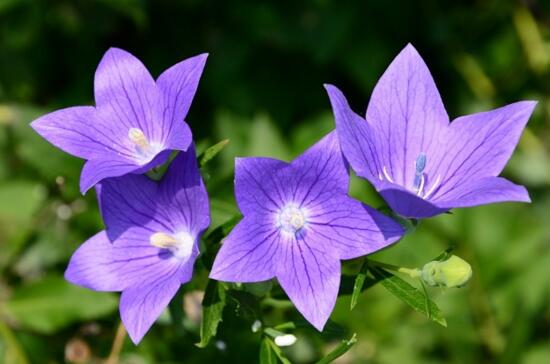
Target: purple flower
x=135, y=123
x=149, y=245
x=298, y=224
x=419, y=162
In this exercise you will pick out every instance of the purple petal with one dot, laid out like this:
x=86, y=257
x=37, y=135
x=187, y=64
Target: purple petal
x=483, y=191
x=131, y=201
x=350, y=228
x=311, y=278
x=249, y=252
x=256, y=189
x=184, y=195
x=179, y=137
x=104, y=266
x=479, y=145
x=178, y=85
x=72, y=131
x=95, y=171
x=318, y=174
x=407, y=116
x=140, y=306
x=126, y=94
x=159, y=159
x=406, y=203
x=356, y=137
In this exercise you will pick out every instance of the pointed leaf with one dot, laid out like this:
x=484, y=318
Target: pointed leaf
x=211, y=152
x=358, y=285
x=52, y=303
x=267, y=355
x=277, y=351
x=340, y=350
x=212, y=311
x=409, y=294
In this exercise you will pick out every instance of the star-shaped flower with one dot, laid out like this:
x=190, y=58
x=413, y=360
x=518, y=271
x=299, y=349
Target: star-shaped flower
x=150, y=242
x=298, y=224
x=419, y=162
x=135, y=123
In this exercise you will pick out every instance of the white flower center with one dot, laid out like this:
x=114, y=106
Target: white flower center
x=291, y=219
x=180, y=244
x=144, y=149
x=137, y=137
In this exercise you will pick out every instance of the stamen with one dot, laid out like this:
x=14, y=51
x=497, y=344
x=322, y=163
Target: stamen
x=291, y=219
x=138, y=138
x=421, y=186
x=419, y=166
x=386, y=174
x=420, y=163
x=181, y=244
x=434, y=186
x=163, y=240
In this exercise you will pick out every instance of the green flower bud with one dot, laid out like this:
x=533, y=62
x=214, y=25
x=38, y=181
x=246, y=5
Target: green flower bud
x=453, y=272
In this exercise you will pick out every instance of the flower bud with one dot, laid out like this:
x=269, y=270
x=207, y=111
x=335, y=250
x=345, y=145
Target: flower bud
x=453, y=272
x=285, y=340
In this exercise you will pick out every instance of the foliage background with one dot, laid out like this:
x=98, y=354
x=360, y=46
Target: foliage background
x=262, y=89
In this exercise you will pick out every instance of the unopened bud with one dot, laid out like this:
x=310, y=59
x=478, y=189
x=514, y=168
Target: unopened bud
x=453, y=272
x=256, y=326
x=285, y=340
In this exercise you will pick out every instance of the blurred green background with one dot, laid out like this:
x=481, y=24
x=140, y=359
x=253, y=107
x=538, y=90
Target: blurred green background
x=262, y=89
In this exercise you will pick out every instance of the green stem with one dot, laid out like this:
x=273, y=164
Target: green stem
x=276, y=303
x=411, y=272
x=118, y=343
x=272, y=332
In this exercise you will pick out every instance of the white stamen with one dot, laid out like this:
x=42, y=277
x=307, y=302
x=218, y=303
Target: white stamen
x=137, y=137
x=291, y=218
x=162, y=240
x=387, y=175
x=180, y=244
x=421, y=187
x=432, y=189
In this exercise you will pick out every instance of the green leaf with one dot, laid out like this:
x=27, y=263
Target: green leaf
x=266, y=139
x=176, y=310
x=52, y=303
x=267, y=355
x=445, y=254
x=409, y=294
x=277, y=350
x=358, y=285
x=246, y=303
x=211, y=152
x=212, y=311
x=19, y=202
x=213, y=238
x=340, y=350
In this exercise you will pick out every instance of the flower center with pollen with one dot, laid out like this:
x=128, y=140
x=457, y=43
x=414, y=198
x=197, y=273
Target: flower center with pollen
x=180, y=244
x=139, y=139
x=144, y=149
x=291, y=219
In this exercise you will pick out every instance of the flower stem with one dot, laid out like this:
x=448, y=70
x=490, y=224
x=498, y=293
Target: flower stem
x=411, y=272
x=276, y=303
x=117, y=345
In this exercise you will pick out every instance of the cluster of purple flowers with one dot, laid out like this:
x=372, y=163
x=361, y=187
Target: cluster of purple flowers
x=299, y=222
